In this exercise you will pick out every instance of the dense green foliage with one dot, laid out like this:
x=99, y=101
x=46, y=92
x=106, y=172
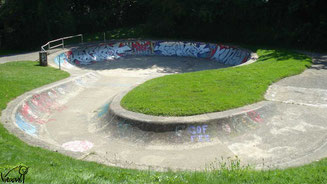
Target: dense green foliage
x=289, y=23
x=214, y=90
x=51, y=167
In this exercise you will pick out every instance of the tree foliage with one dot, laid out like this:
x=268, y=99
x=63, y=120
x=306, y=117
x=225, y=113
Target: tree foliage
x=293, y=23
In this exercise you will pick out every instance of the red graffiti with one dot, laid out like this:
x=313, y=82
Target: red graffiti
x=213, y=51
x=68, y=54
x=42, y=102
x=255, y=116
x=220, y=47
x=245, y=59
x=141, y=47
x=25, y=111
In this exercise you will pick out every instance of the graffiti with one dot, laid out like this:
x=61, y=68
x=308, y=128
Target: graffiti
x=37, y=109
x=102, y=52
x=104, y=110
x=180, y=49
x=227, y=128
x=77, y=146
x=141, y=47
x=198, y=133
x=239, y=124
x=26, y=127
x=45, y=103
x=29, y=115
x=63, y=60
x=255, y=116
x=228, y=55
x=111, y=51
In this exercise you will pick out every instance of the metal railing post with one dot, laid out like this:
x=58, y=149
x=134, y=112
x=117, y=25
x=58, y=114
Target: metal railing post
x=59, y=63
x=63, y=43
x=82, y=38
x=104, y=36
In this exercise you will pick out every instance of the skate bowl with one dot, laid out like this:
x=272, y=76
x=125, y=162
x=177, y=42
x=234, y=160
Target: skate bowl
x=81, y=116
x=228, y=55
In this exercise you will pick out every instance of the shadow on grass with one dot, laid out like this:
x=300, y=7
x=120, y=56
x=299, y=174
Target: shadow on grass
x=283, y=55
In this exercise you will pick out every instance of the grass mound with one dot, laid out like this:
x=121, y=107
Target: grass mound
x=214, y=90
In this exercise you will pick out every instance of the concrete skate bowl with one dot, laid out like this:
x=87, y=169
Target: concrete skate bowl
x=81, y=116
x=205, y=56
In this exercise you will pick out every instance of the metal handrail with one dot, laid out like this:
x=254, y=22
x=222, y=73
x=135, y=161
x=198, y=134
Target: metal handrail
x=62, y=42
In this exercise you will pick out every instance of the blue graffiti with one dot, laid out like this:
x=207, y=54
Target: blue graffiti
x=26, y=127
x=199, y=133
x=104, y=110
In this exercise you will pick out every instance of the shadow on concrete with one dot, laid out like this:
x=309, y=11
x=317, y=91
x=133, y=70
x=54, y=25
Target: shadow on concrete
x=320, y=63
x=160, y=64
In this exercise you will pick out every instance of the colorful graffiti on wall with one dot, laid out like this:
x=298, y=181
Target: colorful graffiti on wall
x=36, y=110
x=111, y=51
x=26, y=127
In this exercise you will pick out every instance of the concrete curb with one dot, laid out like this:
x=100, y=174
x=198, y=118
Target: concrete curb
x=149, y=122
x=155, y=122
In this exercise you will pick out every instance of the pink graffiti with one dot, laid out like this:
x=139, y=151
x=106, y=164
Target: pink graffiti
x=40, y=103
x=43, y=102
x=227, y=128
x=77, y=146
x=28, y=115
x=255, y=116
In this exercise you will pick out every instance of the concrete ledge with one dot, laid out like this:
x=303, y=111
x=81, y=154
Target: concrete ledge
x=163, y=123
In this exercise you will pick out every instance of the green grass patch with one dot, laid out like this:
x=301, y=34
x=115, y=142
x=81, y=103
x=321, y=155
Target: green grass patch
x=51, y=167
x=214, y=90
x=19, y=77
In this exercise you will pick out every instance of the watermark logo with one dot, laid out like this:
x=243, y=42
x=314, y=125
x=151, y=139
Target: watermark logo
x=14, y=174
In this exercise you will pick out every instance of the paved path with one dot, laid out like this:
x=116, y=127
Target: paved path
x=31, y=56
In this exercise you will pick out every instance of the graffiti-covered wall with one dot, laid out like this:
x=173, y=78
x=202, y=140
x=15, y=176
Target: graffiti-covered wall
x=109, y=51
x=36, y=110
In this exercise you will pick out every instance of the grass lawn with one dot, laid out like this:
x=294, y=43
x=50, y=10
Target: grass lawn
x=51, y=167
x=214, y=90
